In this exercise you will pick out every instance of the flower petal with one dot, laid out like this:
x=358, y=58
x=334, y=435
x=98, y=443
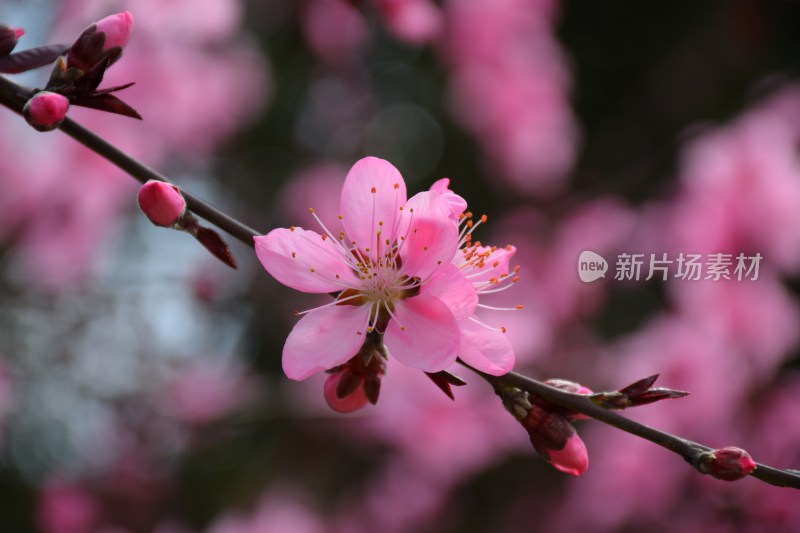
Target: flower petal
x=428, y=236
x=454, y=289
x=304, y=260
x=485, y=349
x=324, y=339
x=456, y=203
x=362, y=210
x=423, y=334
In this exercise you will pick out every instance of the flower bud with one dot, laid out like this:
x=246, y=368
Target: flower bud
x=573, y=458
x=162, y=203
x=344, y=392
x=97, y=47
x=8, y=38
x=116, y=28
x=556, y=440
x=45, y=111
x=728, y=464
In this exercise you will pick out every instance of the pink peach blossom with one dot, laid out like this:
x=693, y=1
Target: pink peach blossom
x=388, y=250
x=397, y=267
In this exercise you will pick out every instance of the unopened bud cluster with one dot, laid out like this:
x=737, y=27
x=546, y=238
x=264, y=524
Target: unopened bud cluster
x=77, y=73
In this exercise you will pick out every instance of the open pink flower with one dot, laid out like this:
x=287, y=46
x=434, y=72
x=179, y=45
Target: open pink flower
x=399, y=268
x=487, y=269
x=388, y=250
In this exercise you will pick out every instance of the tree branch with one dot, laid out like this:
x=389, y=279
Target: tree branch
x=689, y=450
x=14, y=96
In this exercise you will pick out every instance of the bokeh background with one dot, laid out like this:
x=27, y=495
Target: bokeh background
x=140, y=382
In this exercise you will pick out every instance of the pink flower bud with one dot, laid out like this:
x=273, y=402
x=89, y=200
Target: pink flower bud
x=728, y=464
x=556, y=440
x=46, y=110
x=116, y=28
x=350, y=402
x=572, y=458
x=162, y=203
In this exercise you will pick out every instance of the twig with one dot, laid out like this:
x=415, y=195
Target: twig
x=14, y=96
x=689, y=450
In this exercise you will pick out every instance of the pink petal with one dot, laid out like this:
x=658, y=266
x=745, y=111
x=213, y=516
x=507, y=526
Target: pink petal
x=430, y=237
x=423, y=334
x=303, y=260
x=485, y=349
x=454, y=289
x=362, y=210
x=323, y=339
x=456, y=203
x=441, y=185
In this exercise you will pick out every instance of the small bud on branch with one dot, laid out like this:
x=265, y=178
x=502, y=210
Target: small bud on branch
x=165, y=206
x=46, y=111
x=550, y=432
x=728, y=464
x=162, y=203
x=638, y=393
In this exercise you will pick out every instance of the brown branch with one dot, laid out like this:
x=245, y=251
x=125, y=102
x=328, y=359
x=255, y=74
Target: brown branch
x=14, y=96
x=689, y=450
